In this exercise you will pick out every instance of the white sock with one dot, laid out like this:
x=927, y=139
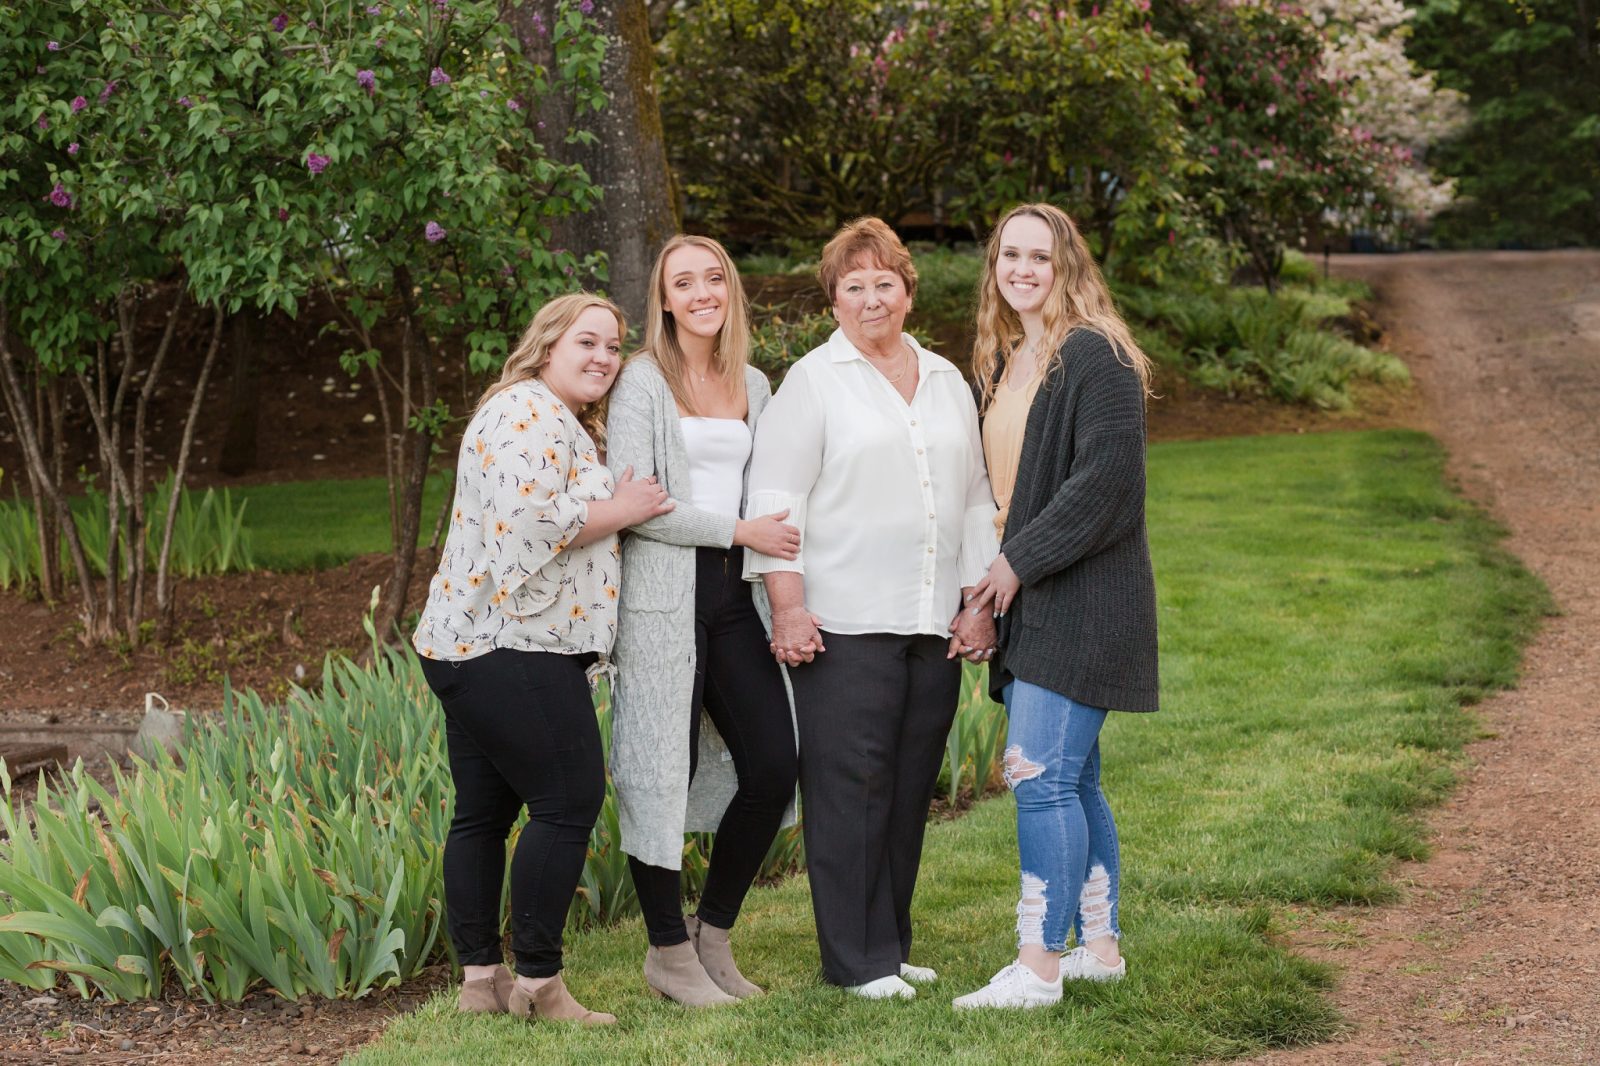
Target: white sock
x=920, y=975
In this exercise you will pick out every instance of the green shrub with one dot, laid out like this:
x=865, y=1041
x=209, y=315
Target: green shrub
x=296, y=846
x=947, y=284
x=208, y=534
x=972, y=759
x=776, y=342
x=19, y=545
x=1248, y=341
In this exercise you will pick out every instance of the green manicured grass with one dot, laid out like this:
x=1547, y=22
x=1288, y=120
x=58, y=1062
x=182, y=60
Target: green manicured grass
x=1327, y=606
x=315, y=525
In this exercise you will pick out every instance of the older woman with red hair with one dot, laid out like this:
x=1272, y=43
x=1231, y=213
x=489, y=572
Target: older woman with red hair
x=871, y=446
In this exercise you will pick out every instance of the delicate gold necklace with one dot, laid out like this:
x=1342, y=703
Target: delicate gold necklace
x=905, y=364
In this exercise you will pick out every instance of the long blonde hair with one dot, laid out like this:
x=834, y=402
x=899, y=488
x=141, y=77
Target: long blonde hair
x=1078, y=298
x=729, y=356
x=549, y=323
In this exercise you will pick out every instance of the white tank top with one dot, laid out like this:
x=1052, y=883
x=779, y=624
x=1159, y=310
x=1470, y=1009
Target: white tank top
x=719, y=450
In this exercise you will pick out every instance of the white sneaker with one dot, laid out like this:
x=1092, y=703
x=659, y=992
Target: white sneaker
x=1015, y=986
x=884, y=988
x=918, y=975
x=1081, y=964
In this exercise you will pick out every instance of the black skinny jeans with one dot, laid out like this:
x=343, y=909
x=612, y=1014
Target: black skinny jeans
x=737, y=681
x=522, y=732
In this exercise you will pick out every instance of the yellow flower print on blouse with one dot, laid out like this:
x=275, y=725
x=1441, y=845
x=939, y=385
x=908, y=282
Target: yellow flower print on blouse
x=509, y=575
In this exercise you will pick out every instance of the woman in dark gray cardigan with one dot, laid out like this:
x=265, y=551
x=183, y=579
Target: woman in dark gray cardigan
x=1063, y=386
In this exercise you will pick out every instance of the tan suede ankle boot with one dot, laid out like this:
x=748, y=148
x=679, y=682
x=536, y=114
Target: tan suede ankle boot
x=486, y=995
x=676, y=973
x=716, y=955
x=553, y=1003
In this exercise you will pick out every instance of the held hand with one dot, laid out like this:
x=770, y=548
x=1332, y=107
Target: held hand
x=972, y=636
x=769, y=535
x=796, y=637
x=641, y=498
x=998, y=588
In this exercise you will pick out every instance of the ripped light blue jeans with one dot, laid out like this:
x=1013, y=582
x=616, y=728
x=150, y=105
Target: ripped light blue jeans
x=1065, y=834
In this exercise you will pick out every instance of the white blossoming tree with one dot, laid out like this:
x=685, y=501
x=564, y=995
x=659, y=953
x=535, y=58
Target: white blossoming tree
x=1389, y=97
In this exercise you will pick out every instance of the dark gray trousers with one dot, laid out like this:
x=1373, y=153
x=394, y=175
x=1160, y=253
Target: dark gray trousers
x=874, y=712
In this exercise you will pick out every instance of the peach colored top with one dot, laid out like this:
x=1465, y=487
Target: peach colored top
x=1003, y=427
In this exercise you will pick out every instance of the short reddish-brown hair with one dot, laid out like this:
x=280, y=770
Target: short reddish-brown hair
x=865, y=242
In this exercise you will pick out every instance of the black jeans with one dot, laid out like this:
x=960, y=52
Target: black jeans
x=737, y=681
x=874, y=713
x=522, y=732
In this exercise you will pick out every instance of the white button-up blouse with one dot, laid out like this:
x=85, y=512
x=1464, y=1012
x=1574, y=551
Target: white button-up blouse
x=891, y=498
x=508, y=577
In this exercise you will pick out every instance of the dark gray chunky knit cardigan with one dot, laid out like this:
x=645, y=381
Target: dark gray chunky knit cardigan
x=1084, y=624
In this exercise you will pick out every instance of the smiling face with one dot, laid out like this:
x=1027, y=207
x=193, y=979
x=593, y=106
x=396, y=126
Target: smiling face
x=695, y=291
x=1023, y=268
x=871, y=304
x=584, y=361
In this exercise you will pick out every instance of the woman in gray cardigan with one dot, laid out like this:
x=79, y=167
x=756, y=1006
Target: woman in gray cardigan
x=689, y=639
x=1063, y=386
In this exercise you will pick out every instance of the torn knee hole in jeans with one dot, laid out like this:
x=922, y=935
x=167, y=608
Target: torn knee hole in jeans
x=1094, y=904
x=1031, y=909
x=1017, y=768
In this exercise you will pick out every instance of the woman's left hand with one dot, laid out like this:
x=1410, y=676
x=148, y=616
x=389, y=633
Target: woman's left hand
x=999, y=586
x=972, y=635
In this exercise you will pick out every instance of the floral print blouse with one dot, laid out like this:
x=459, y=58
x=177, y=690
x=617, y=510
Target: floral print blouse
x=507, y=578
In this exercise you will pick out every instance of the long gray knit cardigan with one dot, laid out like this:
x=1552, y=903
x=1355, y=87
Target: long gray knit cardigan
x=654, y=651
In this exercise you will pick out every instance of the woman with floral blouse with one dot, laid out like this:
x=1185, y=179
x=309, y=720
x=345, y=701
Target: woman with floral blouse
x=524, y=604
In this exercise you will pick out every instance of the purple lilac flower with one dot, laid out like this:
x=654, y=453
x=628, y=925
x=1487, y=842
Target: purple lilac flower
x=507, y=270
x=54, y=46
x=78, y=104
x=434, y=232
x=44, y=123
x=514, y=105
x=72, y=149
x=283, y=214
x=374, y=9
x=317, y=163
x=438, y=77
x=367, y=80
x=60, y=196
x=105, y=94
x=281, y=22
x=59, y=234
x=441, y=4
x=184, y=101
x=382, y=41
x=538, y=24
x=586, y=6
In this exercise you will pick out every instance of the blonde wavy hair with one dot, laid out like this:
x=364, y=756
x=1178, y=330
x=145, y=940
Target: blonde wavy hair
x=528, y=358
x=729, y=356
x=1078, y=298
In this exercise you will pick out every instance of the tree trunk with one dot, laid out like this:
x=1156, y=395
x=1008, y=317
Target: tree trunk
x=418, y=445
x=242, y=419
x=164, y=603
x=39, y=474
x=628, y=158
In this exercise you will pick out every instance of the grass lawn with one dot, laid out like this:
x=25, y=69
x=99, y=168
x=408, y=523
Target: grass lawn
x=316, y=525
x=1327, y=606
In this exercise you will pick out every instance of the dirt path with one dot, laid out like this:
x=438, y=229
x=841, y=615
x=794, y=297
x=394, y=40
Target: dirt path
x=1494, y=954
